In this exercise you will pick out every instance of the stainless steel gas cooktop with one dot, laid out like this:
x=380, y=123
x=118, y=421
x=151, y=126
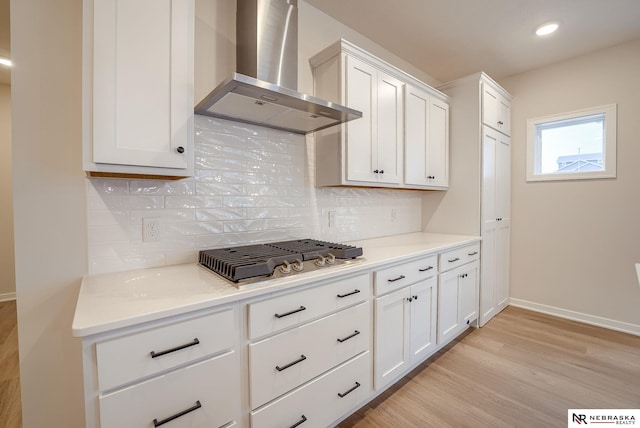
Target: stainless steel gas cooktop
x=277, y=259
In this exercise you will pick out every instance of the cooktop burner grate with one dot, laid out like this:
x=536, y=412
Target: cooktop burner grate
x=249, y=261
x=311, y=248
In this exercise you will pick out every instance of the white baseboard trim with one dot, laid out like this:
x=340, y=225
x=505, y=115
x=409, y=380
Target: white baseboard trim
x=5, y=297
x=577, y=316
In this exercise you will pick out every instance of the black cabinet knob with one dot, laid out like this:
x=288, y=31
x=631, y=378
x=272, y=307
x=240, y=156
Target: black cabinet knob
x=180, y=149
x=375, y=171
x=382, y=171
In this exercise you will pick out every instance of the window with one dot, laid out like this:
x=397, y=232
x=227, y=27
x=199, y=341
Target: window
x=572, y=146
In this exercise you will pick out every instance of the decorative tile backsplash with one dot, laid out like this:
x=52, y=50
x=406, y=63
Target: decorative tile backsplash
x=251, y=184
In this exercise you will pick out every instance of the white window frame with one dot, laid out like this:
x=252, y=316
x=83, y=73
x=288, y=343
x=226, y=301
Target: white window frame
x=609, y=150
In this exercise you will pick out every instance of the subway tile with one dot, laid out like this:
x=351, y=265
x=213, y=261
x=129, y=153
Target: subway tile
x=244, y=225
x=267, y=212
x=216, y=188
x=193, y=201
x=165, y=215
x=108, y=185
x=193, y=229
x=159, y=187
x=219, y=214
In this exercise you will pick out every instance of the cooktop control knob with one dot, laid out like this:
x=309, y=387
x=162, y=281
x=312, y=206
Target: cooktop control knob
x=285, y=268
x=320, y=261
x=330, y=259
x=298, y=265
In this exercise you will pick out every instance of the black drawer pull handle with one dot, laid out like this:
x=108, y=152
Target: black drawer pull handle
x=299, y=360
x=355, y=333
x=295, y=311
x=344, y=394
x=356, y=291
x=426, y=269
x=302, y=420
x=397, y=279
x=473, y=254
x=155, y=354
x=454, y=260
x=157, y=423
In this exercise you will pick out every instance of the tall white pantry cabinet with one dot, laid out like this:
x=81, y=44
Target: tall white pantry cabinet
x=478, y=200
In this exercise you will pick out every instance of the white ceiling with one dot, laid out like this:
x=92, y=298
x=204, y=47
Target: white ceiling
x=453, y=38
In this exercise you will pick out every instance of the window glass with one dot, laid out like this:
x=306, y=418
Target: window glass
x=572, y=146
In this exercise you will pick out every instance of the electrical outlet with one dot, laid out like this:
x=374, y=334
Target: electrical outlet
x=394, y=215
x=150, y=229
x=332, y=218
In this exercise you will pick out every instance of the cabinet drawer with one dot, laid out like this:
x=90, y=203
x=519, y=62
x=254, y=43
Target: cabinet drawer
x=321, y=401
x=453, y=258
x=148, y=352
x=213, y=384
x=396, y=277
x=270, y=316
x=283, y=362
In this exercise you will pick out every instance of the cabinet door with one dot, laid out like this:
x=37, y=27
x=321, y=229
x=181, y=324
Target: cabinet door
x=361, y=88
x=489, y=143
x=502, y=264
x=488, y=284
x=416, y=136
x=448, y=308
x=503, y=177
x=392, y=326
x=504, y=115
x=438, y=152
x=143, y=82
x=389, y=138
x=489, y=106
x=468, y=293
x=426, y=139
x=424, y=301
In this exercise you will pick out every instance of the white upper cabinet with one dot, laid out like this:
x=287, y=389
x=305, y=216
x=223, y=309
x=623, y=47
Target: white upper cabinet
x=401, y=141
x=426, y=139
x=375, y=141
x=138, y=87
x=496, y=109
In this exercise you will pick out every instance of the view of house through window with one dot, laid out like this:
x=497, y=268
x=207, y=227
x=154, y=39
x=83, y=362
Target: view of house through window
x=573, y=145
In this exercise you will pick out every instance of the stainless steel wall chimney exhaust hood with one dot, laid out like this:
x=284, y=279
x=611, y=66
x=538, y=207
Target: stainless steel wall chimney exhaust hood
x=263, y=91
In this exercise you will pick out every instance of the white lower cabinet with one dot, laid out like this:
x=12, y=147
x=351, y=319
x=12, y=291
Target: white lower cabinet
x=203, y=395
x=457, y=300
x=321, y=401
x=306, y=357
x=181, y=372
x=405, y=329
x=280, y=363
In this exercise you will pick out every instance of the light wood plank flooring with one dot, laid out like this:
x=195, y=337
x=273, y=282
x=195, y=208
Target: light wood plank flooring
x=10, y=407
x=522, y=369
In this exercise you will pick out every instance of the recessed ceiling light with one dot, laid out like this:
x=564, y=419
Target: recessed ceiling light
x=545, y=29
x=6, y=61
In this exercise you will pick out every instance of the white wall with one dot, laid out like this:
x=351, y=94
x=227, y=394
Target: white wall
x=7, y=270
x=49, y=206
x=574, y=243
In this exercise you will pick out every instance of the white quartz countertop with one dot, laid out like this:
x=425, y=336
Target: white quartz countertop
x=123, y=299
